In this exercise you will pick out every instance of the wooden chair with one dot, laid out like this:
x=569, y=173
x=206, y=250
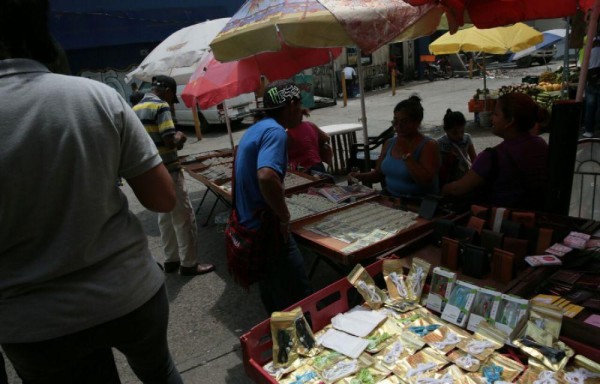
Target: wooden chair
x=357, y=150
x=585, y=193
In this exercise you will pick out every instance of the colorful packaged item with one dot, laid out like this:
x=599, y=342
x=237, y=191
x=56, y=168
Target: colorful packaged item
x=416, y=278
x=400, y=347
x=484, y=341
x=304, y=375
x=541, y=345
x=360, y=278
x=511, y=314
x=278, y=373
x=499, y=368
x=368, y=375
x=445, y=338
x=485, y=303
x=383, y=336
x=583, y=371
x=464, y=360
x=395, y=279
x=285, y=341
x=547, y=317
x=459, y=303
x=346, y=368
x=307, y=343
x=442, y=283
x=417, y=366
x=537, y=373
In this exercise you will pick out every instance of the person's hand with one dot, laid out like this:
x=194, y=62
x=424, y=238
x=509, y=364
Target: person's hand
x=180, y=139
x=353, y=178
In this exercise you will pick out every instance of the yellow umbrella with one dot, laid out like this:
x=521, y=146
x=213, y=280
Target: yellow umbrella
x=499, y=40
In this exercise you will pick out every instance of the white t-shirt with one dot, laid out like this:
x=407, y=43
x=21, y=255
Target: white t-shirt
x=72, y=256
x=349, y=73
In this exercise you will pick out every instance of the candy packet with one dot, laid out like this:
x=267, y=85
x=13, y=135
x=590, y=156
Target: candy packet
x=416, y=278
x=583, y=371
x=345, y=368
x=305, y=375
x=285, y=341
x=442, y=282
x=499, y=368
x=365, y=285
x=382, y=336
x=419, y=365
x=395, y=280
x=445, y=338
x=400, y=347
x=464, y=360
x=541, y=345
x=547, y=317
x=484, y=341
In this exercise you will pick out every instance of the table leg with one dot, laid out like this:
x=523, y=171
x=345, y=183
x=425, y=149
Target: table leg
x=201, y=201
x=211, y=211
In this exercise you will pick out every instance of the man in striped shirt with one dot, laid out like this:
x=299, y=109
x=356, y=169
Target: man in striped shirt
x=154, y=110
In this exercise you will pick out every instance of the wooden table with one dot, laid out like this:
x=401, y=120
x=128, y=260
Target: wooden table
x=342, y=137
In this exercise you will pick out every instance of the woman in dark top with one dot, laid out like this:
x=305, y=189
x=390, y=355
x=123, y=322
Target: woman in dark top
x=409, y=162
x=513, y=173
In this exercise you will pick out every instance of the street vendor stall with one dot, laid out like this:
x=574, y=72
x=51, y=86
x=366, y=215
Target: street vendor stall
x=396, y=337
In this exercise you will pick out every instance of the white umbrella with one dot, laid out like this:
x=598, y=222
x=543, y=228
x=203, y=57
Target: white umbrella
x=179, y=54
x=550, y=37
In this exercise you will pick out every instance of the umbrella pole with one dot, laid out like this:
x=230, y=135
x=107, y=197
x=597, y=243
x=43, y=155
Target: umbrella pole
x=228, y=123
x=361, y=89
x=587, y=50
x=565, y=90
x=484, y=86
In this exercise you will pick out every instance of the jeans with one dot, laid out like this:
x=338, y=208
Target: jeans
x=592, y=107
x=286, y=282
x=86, y=356
x=178, y=230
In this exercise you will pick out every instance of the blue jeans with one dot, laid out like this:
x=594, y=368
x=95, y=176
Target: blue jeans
x=286, y=282
x=86, y=356
x=592, y=107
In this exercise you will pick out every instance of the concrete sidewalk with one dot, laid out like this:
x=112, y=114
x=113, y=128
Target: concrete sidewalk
x=209, y=313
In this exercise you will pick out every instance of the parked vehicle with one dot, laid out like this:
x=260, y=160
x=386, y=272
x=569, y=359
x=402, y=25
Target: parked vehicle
x=238, y=108
x=439, y=69
x=541, y=56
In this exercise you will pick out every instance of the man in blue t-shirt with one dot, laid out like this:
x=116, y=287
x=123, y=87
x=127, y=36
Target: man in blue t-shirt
x=260, y=165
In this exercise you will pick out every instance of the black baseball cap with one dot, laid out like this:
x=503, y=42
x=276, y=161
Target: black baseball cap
x=166, y=82
x=278, y=94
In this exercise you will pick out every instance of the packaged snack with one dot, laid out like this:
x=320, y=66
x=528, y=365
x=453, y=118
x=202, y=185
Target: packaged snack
x=395, y=280
x=442, y=282
x=484, y=341
x=464, y=360
x=511, y=314
x=547, y=317
x=400, y=347
x=485, y=303
x=283, y=334
x=365, y=285
x=416, y=278
x=419, y=365
x=541, y=345
x=499, y=368
x=459, y=303
x=445, y=338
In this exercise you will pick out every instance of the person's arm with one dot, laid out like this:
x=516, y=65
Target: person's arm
x=325, y=151
x=464, y=185
x=154, y=189
x=272, y=190
x=376, y=175
x=471, y=152
x=424, y=170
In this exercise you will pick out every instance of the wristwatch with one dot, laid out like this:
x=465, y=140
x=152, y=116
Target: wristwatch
x=406, y=156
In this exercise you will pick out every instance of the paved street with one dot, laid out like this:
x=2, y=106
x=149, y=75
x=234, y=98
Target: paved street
x=209, y=313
